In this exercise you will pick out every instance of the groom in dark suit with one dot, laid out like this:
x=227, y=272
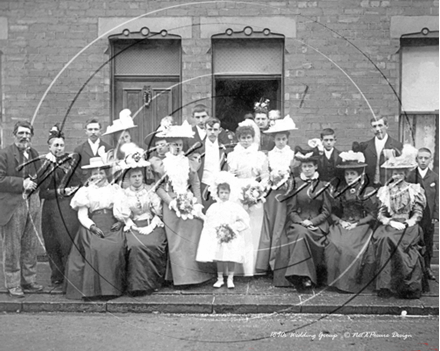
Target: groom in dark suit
x=377, y=150
x=200, y=115
x=90, y=148
x=429, y=182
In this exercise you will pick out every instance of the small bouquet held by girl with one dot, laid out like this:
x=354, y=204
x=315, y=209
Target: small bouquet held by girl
x=221, y=240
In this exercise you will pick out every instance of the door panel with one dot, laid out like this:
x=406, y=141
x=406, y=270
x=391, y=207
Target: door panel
x=165, y=100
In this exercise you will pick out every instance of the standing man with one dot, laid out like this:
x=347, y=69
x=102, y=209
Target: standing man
x=212, y=160
x=328, y=158
x=200, y=115
x=377, y=151
x=19, y=211
x=429, y=182
x=90, y=148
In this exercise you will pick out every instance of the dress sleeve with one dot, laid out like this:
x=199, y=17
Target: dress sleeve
x=156, y=204
x=121, y=209
x=370, y=206
x=80, y=199
x=194, y=182
x=242, y=220
x=419, y=202
x=83, y=217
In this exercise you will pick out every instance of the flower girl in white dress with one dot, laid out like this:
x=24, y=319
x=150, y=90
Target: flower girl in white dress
x=222, y=239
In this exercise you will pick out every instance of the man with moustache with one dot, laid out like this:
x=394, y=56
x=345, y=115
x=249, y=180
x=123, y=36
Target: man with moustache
x=90, y=147
x=19, y=209
x=376, y=151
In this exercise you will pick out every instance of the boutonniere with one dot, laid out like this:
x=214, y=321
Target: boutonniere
x=432, y=185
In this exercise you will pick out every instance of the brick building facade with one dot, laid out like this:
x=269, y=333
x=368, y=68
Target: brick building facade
x=328, y=63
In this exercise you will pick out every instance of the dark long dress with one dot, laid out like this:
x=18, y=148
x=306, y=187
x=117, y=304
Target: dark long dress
x=349, y=256
x=96, y=266
x=399, y=261
x=146, y=254
x=59, y=221
x=183, y=235
x=302, y=250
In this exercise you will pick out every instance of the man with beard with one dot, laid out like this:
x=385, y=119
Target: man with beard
x=377, y=150
x=19, y=208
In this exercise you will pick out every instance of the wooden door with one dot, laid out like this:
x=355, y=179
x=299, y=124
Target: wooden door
x=133, y=93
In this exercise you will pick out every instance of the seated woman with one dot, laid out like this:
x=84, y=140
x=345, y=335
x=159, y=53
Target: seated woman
x=300, y=260
x=398, y=239
x=349, y=255
x=96, y=264
x=139, y=208
x=59, y=221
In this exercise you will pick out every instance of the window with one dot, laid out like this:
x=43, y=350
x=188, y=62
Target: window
x=419, y=118
x=244, y=71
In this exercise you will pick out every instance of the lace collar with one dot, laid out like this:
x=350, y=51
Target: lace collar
x=314, y=177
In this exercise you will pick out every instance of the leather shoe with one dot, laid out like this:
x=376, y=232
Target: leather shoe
x=16, y=292
x=307, y=283
x=430, y=274
x=32, y=287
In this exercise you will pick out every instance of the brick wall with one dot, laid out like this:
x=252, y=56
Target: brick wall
x=329, y=55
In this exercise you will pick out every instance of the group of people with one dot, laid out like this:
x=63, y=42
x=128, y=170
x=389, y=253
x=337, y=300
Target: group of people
x=200, y=202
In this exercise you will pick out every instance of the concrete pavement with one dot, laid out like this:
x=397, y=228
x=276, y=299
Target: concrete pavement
x=251, y=295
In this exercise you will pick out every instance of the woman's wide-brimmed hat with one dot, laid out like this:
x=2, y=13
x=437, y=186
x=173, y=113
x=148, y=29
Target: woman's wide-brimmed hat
x=351, y=160
x=124, y=122
x=177, y=132
x=151, y=138
x=305, y=155
x=103, y=160
x=282, y=125
x=407, y=160
x=134, y=157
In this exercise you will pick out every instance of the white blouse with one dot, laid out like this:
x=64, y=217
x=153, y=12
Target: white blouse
x=137, y=205
x=248, y=163
x=92, y=198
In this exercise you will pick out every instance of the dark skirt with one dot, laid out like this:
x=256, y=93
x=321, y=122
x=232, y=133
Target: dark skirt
x=301, y=255
x=398, y=259
x=146, y=259
x=183, y=239
x=275, y=214
x=349, y=258
x=59, y=227
x=96, y=266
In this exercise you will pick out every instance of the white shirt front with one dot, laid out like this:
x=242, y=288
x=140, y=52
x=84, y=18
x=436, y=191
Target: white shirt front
x=94, y=146
x=380, y=144
x=328, y=154
x=423, y=171
x=202, y=133
x=212, y=160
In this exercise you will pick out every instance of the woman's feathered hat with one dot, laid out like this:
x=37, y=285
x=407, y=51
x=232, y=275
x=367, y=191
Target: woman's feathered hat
x=124, y=122
x=406, y=160
x=305, y=155
x=55, y=132
x=282, y=125
x=177, y=132
x=262, y=106
x=134, y=157
x=351, y=160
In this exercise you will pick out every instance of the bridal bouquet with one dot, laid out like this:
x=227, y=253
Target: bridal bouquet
x=252, y=194
x=278, y=177
x=225, y=234
x=185, y=205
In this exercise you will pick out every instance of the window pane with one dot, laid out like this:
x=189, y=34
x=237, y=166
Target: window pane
x=420, y=78
x=147, y=58
x=251, y=56
x=235, y=97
